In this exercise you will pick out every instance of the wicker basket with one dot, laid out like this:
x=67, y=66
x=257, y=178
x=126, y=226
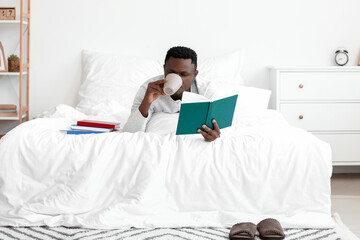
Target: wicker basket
x=14, y=65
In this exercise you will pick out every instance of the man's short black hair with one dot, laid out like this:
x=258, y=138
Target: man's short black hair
x=183, y=53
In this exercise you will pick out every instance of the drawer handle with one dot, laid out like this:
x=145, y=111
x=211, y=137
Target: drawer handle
x=301, y=116
x=301, y=86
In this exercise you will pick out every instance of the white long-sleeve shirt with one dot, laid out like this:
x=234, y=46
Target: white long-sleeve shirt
x=137, y=122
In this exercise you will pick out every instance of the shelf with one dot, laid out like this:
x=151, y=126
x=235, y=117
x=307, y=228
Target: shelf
x=12, y=22
x=13, y=118
x=11, y=73
x=21, y=22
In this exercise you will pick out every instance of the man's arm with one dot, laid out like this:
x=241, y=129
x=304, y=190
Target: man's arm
x=141, y=110
x=136, y=121
x=153, y=91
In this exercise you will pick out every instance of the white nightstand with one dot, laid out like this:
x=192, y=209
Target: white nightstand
x=324, y=101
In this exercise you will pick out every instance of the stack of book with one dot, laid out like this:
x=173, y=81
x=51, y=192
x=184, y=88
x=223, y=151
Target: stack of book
x=91, y=126
x=8, y=110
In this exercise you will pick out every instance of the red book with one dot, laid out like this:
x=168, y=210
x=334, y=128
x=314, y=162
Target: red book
x=100, y=124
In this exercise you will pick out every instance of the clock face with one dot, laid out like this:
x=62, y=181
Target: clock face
x=341, y=58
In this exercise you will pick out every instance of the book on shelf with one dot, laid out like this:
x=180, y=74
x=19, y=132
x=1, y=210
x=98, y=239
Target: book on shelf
x=8, y=114
x=197, y=110
x=8, y=111
x=96, y=129
x=100, y=124
x=8, y=107
x=79, y=132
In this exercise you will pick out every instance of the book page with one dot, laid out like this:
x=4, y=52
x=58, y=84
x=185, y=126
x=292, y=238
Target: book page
x=189, y=97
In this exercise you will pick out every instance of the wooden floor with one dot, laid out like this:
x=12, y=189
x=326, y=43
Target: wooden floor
x=345, y=198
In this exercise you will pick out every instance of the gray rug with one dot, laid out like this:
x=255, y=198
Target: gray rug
x=65, y=233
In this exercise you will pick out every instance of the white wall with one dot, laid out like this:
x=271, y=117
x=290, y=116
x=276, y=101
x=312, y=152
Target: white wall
x=278, y=32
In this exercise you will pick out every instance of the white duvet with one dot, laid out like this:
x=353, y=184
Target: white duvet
x=261, y=167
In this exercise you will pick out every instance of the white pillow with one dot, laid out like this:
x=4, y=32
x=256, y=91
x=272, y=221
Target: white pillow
x=250, y=99
x=110, y=80
x=224, y=68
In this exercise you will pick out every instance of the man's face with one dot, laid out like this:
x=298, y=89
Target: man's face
x=185, y=69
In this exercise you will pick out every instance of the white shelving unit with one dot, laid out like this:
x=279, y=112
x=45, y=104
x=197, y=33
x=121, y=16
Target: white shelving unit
x=13, y=118
x=23, y=23
x=11, y=73
x=13, y=21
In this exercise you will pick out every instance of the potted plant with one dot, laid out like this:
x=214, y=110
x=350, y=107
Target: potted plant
x=14, y=63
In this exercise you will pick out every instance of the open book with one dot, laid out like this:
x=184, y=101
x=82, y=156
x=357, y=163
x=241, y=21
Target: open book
x=197, y=110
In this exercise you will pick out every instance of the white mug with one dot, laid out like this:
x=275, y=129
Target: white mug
x=173, y=84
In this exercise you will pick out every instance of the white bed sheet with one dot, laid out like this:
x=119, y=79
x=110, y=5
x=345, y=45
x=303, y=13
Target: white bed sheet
x=261, y=167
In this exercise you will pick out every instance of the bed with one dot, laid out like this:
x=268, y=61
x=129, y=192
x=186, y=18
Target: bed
x=260, y=167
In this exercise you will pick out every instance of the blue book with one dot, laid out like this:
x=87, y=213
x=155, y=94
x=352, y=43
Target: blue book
x=197, y=110
x=79, y=132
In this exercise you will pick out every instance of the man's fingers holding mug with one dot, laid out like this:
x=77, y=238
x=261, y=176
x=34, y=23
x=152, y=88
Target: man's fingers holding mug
x=158, y=82
x=157, y=88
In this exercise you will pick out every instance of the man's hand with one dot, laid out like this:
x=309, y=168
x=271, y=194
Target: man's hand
x=153, y=91
x=209, y=134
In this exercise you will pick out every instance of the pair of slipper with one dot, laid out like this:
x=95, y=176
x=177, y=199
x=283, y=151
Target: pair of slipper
x=269, y=229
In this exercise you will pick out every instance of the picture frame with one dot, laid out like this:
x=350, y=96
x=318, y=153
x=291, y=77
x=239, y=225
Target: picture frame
x=3, y=67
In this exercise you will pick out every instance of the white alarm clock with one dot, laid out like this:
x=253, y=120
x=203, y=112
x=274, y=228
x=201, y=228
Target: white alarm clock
x=341, y=57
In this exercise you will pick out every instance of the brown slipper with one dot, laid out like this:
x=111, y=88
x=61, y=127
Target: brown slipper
x=245, y=230
x=270, y=229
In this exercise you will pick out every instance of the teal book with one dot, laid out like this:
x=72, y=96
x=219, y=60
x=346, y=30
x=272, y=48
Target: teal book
x=197, y=110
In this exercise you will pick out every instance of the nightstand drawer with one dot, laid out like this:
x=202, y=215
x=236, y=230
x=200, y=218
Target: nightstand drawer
x=323, y=116
x=344, y=146
x=319, y=86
